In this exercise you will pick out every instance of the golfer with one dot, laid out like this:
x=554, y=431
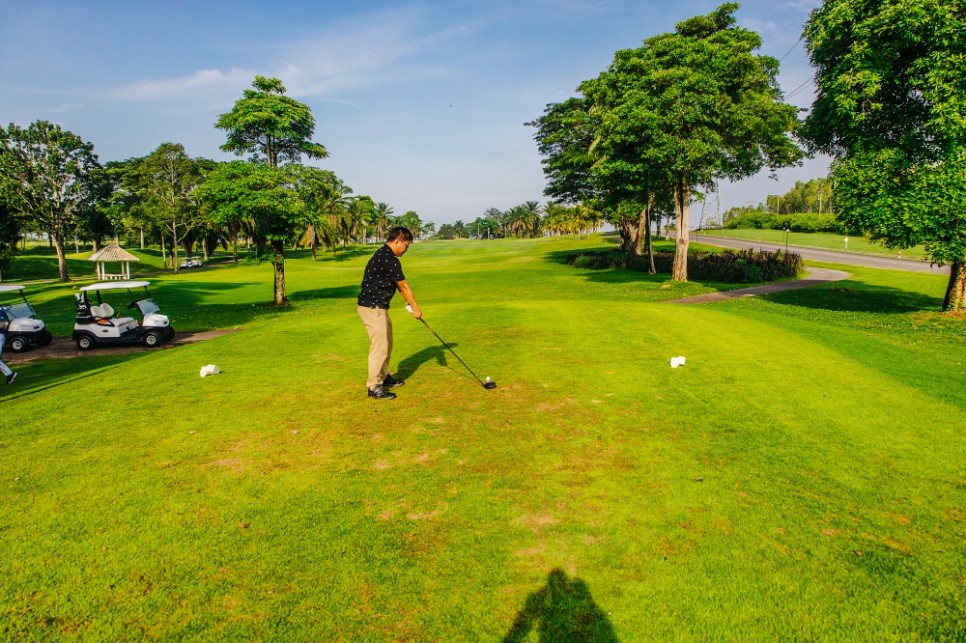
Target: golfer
x=9, y=374
x=382, y=278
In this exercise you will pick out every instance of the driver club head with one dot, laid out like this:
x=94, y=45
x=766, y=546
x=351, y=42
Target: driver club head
x=489, y=385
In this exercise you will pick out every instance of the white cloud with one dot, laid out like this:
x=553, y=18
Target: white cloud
x=65, y=108
x=345, y=56
x=207, y=83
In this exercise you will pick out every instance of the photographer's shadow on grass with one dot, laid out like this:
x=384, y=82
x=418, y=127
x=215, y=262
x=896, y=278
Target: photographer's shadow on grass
x=408, y=367
x=562, y=611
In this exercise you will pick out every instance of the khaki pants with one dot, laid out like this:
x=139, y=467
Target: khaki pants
x=379, y=327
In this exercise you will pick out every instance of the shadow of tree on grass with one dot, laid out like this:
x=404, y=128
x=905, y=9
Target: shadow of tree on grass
x=560, y=612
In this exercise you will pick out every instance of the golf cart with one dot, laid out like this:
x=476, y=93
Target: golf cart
x=18, y=318
x=97, y=324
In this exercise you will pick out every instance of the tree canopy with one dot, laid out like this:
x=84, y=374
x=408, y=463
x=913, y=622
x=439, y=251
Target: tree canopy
x=681, y=111
x=272, y=127
x=891, y=110
x=275, y=130
x=51, y=176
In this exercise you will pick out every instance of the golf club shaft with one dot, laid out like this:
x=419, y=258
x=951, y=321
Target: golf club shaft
x=452, y=351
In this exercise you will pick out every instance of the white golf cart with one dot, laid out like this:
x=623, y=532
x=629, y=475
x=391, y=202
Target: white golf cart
x=19, y=320
x=97, y=323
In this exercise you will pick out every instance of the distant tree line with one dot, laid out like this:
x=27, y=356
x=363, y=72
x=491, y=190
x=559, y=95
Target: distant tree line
x=526, y=220
x=807, y=207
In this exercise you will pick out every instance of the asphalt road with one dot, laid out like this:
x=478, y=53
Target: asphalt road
x=830, y=256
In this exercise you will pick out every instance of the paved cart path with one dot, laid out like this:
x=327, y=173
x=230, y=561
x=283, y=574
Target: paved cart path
x=64, y=347
x=815, y=277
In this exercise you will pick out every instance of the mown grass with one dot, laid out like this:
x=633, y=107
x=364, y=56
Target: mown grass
x=800, y=478
x=819, y=240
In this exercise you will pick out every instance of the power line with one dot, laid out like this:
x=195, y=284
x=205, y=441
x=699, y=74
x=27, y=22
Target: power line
x=810, y=81
x=790, y=50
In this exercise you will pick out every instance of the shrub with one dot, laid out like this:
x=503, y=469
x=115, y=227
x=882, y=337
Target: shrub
x=803, y=222
x=729, y=266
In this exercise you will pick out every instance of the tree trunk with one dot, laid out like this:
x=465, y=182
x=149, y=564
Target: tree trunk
x=956, y=289
x=278, y=263
x=639, y=233
x=682, y=211
x=625, y=229
x=58, y=240
x=174, y=245
x=648, y=242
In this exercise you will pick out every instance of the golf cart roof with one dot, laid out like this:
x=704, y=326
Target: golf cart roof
x=10, y=288
x=115, y=285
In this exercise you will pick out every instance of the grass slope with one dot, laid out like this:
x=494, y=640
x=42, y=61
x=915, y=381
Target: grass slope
x=801, y=477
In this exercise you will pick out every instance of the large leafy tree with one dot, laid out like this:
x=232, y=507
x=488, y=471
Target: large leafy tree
x=564, y=136
x=9, y=236
x=410, y=220
x=165, y=181
x=262, y=200
x=686, y=109
x=49, y=176
x=274, y=130
x=891, y=110
x=270, y=126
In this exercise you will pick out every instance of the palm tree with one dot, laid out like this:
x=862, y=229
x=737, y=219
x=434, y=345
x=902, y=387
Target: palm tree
x=382, y=216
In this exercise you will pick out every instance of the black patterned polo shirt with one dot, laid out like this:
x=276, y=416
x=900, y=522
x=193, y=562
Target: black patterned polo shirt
x=379, y=280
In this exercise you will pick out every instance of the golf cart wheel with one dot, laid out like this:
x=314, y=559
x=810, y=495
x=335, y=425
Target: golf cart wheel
x=85, y=342
x=18, y=344
x=152, y=339
x=45, y=338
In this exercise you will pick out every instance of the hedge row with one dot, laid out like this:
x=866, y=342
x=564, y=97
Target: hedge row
x=794, y=222
x=729, y=266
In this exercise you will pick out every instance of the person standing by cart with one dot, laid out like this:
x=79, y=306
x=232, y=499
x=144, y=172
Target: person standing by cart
x=11, y=375
x=382, y=278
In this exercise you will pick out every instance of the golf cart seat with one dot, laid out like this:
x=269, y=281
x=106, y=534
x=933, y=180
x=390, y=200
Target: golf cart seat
x=104, y=312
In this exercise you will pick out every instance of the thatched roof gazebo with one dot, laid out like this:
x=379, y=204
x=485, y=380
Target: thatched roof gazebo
x=113, y=253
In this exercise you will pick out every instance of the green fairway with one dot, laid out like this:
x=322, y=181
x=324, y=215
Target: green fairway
x=801, y=477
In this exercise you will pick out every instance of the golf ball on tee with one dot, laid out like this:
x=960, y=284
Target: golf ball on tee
x=487, y=378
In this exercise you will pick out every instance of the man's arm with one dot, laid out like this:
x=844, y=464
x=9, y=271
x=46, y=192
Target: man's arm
x=407, y=294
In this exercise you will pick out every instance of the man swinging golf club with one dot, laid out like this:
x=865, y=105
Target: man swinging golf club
x=382, y=278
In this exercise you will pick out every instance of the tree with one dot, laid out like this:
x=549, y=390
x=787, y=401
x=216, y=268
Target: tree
x=891, y=110
x=165, y=181
x=262, y=199
x=9, y=235
x=565, y=134
x=270, y=126
x=274, y=129
x=382, y=215
x=321, y=192
x=48, y=175
x=686, y=109
x=411, y=221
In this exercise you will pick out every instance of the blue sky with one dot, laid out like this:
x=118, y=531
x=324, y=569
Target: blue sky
x=420, y=104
